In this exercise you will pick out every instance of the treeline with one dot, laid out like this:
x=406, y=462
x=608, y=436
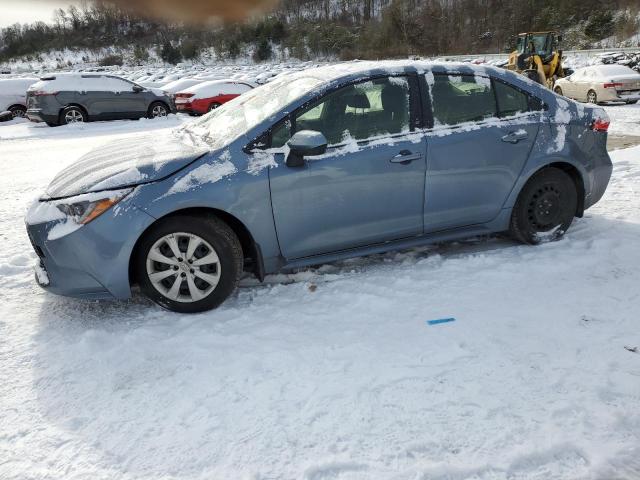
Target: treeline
x=308, y=29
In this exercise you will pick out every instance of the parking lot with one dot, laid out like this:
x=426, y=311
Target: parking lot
x=331, y=372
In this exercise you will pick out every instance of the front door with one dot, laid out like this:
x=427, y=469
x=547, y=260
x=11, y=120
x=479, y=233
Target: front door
x=484, y=131
x=369, y=185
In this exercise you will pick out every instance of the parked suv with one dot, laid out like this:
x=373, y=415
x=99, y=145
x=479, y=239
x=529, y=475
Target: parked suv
x=77, y=97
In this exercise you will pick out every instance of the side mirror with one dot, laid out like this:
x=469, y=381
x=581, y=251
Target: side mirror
x=305, y=143
x=138, y=89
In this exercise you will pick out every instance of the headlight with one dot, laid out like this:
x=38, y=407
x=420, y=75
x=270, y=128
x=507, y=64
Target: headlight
x=85, y=208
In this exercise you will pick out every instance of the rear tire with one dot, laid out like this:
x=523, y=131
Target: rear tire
x=213, y=106
x=558, y=90
x=545, y=207
x=18, y=111
x=201, y=278
x=632, y=102
x=158, y=109
x=72, y=114
x=592, y=97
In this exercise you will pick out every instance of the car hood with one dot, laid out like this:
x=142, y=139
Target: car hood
x=125, y=163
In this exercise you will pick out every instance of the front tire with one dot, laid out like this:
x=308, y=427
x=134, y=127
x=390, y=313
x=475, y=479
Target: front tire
x=158, y=109
x=558, y=90
x=592, y=97
x=632, y=102
x=545, y=207
x=189, y=263
x=213, y=106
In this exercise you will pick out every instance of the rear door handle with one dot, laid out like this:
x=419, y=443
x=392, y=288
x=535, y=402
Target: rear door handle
x=405, y=156
x=515, y=137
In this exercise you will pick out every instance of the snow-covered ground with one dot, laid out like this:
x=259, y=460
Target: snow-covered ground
x=334, y=372
x=625, y=119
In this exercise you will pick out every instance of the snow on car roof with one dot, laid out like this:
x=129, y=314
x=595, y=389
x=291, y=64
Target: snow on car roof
x=614, y=70
x=81, y=82
x=218, y=87
x=15, y=86
x=329, y=73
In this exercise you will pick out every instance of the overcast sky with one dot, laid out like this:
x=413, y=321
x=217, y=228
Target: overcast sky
x=28, y=11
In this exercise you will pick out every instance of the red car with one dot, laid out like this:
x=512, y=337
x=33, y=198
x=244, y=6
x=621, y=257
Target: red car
x=206, y=96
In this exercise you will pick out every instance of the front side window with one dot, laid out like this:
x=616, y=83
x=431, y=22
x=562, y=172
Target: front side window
x=511, y=101
x=364, y=110
x=462, y=98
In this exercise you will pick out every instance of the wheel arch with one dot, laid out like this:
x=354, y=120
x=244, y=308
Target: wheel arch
x=81, y=107
x=572, y=171
x=19, y=105
x=161, y=102
x=250, y=249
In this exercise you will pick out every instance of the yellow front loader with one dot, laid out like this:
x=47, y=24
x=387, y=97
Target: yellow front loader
x=538, y=57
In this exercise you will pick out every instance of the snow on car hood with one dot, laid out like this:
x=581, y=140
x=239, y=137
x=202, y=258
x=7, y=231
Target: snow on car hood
x=124, y=163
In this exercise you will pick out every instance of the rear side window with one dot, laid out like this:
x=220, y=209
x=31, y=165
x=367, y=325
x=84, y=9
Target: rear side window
x=462, y=98
x=459, y=99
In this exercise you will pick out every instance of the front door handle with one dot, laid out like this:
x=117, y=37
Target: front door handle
x=515, y=137
x=405, y=157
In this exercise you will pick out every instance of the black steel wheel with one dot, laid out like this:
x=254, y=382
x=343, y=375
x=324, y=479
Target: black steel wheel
x=545, y=207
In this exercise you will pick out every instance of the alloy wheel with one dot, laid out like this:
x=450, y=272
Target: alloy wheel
x=18, y=113
x=73, y=116
x=158, y=111
x=183, y=267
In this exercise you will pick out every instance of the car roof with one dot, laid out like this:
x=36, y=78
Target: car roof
x=341, y=71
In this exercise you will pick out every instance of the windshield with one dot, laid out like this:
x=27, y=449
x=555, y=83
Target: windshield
x=234, y=118
x=534, y=44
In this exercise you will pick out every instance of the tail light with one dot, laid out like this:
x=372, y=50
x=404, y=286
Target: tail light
x=184, y=95
x=600, y=125
x=41, y=93
x=613, y=85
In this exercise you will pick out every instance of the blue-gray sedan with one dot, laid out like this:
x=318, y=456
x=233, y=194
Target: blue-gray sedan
x=316, y=166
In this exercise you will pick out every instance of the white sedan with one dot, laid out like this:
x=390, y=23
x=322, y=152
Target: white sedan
x=601, y=83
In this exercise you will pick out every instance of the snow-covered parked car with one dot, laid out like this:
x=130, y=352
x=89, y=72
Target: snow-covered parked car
x=179, y=85
x=601, y=83
x=318, y=166
x=206, y=96
x=13, y=95
x=78, y=97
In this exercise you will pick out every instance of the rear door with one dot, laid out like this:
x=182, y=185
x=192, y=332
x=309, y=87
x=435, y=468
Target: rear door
x=368, y=187
x=483, y=133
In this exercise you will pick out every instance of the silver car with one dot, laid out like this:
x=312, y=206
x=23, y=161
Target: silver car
x=601, y=83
